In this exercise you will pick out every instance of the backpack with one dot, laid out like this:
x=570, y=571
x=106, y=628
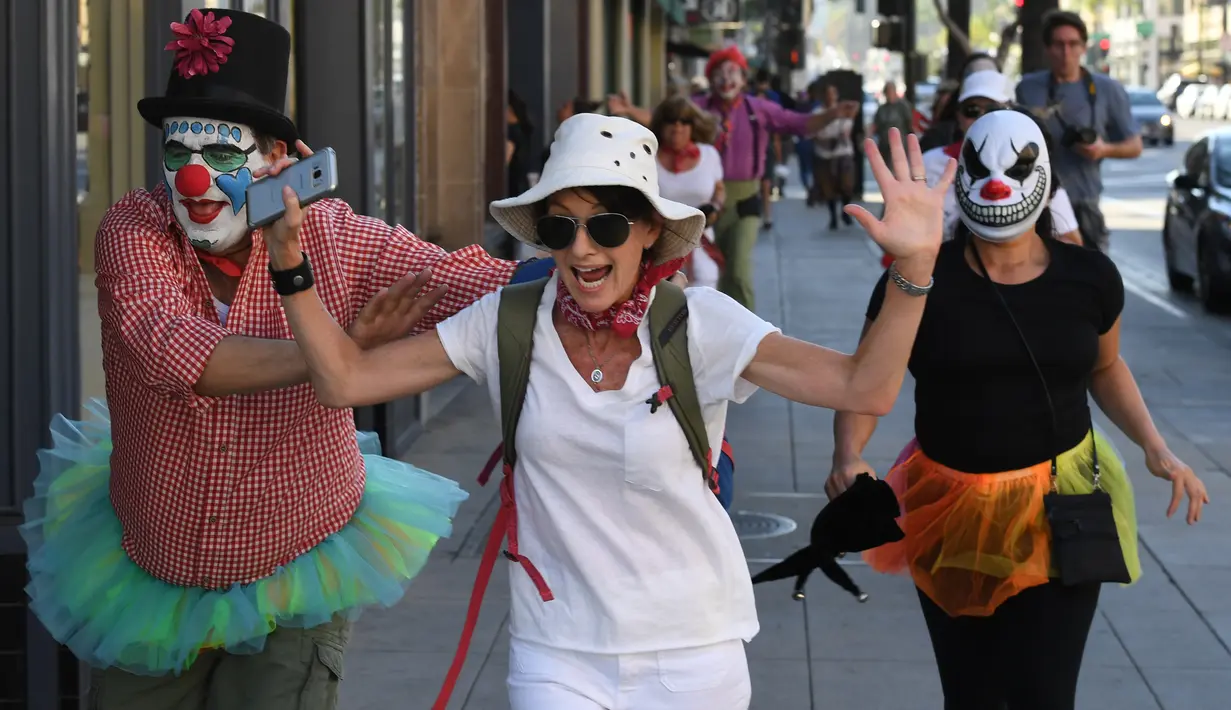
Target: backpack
x=516, y=320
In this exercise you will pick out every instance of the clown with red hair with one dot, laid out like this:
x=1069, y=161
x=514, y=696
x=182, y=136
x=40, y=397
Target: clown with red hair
x=746, y=125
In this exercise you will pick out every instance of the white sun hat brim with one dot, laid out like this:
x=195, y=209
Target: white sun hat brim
x=985, y=84
x=591, y=150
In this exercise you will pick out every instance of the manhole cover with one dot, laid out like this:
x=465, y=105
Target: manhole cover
x=756, y=526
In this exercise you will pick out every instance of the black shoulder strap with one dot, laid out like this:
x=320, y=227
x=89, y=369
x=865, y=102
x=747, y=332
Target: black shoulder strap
x=515, y=321
x=669, y=346
x=754, y=123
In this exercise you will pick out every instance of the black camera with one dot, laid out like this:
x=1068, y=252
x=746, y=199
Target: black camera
x=1072, y=136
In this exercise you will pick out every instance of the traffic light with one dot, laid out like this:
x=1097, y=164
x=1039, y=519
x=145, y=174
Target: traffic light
x=891, y=8
x=790, y=48
x=1104, y=44
x=888, y=34
x=1019, y=3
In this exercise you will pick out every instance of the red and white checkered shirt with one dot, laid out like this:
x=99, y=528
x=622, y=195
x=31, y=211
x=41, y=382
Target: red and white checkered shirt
x=216, y=491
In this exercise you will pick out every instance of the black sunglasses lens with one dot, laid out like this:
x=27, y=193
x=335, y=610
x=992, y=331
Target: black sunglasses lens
x=973, y=111
x=608, y=230
x=556, y=231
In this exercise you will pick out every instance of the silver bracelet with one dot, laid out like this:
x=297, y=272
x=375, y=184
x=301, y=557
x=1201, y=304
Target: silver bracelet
x=910, y=288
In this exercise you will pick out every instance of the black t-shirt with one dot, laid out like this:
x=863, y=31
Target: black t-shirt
x=979, y=403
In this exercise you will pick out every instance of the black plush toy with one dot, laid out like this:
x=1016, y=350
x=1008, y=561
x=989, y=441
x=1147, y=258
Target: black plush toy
x=863, y=517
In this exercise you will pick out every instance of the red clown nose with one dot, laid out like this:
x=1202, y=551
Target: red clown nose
x=995, y=190
x=192, y=180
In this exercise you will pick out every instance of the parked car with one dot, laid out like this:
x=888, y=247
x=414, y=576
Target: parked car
x=1206, y=101
x=1197, y=222
x=1156, y=122
x=1186, y=102
x=1173, y=87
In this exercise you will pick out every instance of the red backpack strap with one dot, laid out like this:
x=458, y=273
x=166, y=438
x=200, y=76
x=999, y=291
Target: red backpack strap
x=515, y=332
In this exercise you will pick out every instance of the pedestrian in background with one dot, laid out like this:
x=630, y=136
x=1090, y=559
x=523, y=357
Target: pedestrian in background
x=834, y=161
x=1089, y=114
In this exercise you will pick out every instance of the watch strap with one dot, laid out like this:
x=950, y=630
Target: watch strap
x=288, y=282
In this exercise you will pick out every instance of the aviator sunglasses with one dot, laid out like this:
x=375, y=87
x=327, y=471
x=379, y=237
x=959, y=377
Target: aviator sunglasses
x=222, y=157
x=972, y=110
x=608, y=230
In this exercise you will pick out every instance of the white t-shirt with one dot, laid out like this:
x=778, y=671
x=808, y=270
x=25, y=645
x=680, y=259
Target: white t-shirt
x=834, y=140
x=611, y=506
x=934, y=163
x=693, y=187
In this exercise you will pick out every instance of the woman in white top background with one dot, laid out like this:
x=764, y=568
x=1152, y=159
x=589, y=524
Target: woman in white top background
x=980, y=92
x=690, y=172
x=834, y=166
x=650, y=595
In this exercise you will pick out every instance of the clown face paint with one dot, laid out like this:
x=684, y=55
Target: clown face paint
x=728, y=80
x=1003, y=176
x=208, y=166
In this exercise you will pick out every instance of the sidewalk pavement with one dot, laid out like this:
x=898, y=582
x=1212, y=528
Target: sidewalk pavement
x=1162, y=644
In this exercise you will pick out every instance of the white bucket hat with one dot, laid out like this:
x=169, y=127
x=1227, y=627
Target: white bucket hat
x=592, y=150
x=985, y=84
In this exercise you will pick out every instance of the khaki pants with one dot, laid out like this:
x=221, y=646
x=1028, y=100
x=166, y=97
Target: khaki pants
x=299, y=669
x=735, y=237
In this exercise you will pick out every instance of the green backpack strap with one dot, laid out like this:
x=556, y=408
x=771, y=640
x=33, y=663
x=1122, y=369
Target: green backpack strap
x=669, y=346
x=515, y=321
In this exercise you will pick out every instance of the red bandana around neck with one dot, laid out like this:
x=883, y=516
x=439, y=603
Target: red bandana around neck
x=622, y=318
x=223, y=264
x=678, y=158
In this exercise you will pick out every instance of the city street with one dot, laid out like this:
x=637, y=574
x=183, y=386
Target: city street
x=1161, y=644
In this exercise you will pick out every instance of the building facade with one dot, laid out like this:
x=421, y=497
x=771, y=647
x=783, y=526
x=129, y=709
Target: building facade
x=411, y=94
x=1145, y=39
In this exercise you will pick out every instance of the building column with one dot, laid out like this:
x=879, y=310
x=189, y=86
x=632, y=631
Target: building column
x=450, y=45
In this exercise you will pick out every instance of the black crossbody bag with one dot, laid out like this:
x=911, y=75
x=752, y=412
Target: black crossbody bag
x=1085, y=543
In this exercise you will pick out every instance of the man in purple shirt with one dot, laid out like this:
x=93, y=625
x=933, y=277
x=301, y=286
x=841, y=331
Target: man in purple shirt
x=745, y=126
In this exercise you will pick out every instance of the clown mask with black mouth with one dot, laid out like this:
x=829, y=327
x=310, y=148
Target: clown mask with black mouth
x=1004, y=176
x=208, y=167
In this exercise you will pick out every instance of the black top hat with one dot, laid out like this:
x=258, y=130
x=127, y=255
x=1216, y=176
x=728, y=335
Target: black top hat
x=229, y=66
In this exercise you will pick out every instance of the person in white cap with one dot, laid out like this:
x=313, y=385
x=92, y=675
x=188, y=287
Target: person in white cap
x=633, y=590
x=983, y=91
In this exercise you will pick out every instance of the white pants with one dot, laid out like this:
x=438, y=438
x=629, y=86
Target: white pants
x=705, y=678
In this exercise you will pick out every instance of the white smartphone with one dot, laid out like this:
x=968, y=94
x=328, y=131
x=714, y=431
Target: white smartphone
x=312, y=178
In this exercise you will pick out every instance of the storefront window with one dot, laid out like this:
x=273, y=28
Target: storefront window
x=401, y=162
x=378, y=48
x=83, y=100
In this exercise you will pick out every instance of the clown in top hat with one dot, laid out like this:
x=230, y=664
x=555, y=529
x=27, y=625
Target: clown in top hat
x=206, y=537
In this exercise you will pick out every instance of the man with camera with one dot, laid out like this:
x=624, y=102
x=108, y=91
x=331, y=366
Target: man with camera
x=1089, y=116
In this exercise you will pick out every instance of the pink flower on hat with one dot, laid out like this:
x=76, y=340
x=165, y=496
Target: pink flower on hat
x=199, y=44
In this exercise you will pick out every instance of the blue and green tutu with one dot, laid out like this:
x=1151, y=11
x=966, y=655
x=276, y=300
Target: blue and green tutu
x=113, y=614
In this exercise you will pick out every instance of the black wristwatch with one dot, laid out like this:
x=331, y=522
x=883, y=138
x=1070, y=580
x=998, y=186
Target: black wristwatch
x=289, y=282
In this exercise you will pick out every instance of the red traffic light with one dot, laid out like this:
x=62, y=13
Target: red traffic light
x=1019, y=3
x=794, y=57
x=1104, y=44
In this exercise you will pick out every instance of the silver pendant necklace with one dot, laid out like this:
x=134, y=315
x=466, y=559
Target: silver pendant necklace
x=596, y=376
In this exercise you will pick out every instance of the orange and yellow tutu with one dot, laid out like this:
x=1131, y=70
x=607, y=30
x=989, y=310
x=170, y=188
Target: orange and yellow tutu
x=975, y=540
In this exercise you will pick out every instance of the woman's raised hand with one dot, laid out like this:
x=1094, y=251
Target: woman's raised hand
x=913, y=220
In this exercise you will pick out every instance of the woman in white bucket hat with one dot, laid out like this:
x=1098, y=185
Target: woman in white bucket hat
x=649, y=599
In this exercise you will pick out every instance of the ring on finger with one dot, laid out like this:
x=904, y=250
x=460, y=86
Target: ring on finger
x=919, y=178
